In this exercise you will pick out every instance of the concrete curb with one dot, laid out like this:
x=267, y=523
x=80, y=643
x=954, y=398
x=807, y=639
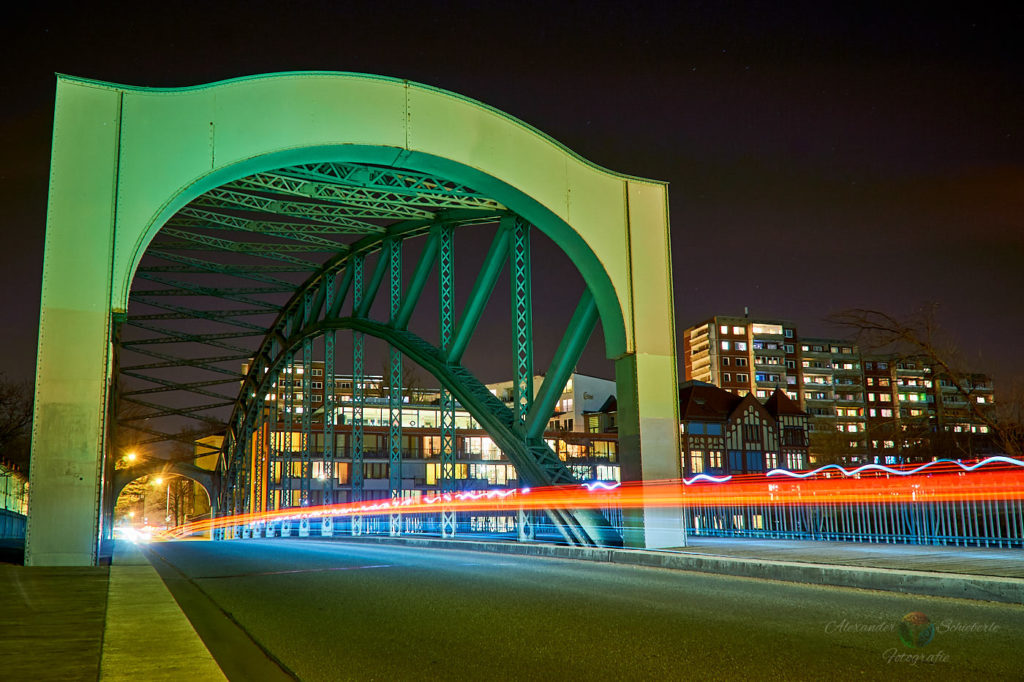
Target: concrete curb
x=932, y=584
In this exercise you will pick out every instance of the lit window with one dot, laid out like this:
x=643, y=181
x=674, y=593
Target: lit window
x=872, y=412
x=725, y=345
x=739, y=330
x=741, y=345
x=724, y=329
x=696, y=461
x=886, y=412
x=981, y=399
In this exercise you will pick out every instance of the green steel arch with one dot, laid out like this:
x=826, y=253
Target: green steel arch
x=126, y=159
x=533, y=459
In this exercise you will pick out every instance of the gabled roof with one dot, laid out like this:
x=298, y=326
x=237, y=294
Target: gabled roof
x=698, y=400
x=610, y=405
x=749, y=401
x=780, y=403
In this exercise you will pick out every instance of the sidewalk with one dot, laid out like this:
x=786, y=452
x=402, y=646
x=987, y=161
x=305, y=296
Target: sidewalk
x=981, y=561
x=87, y=623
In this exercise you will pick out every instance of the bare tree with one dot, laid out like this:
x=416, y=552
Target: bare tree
x=15, y=422
x=919, y=336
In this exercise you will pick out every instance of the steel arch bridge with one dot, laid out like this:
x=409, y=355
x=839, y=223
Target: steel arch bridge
x=261, y=216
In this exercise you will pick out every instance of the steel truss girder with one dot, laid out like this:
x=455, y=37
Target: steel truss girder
x=168, y=386
x=164, y=411
x=402, y=185
x=175, y=336
x=522, y=320
x=239, y=294
x=360, y=203
x=161, y=437
x=258, y=493
x=329, y=404
x=339, y=216
x=307, y=410
x=191, y=312
x=305, y=232
x=192, y=240
x=288, y=454
x=395, y=381
x=199, y=363
x=446, y=313
x=358, y=385
x=252, y=272
x=349, y=260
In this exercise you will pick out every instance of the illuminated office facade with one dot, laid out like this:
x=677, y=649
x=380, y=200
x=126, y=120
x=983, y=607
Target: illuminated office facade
x=480, y=464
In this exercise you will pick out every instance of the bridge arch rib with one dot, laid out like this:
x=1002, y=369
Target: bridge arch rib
x=156, y=151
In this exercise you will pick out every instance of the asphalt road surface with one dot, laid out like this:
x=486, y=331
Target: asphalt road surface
x=340, y=610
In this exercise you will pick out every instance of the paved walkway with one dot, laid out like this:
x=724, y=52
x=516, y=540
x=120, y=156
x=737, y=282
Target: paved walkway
x=88, y=623
x=146, y=635
x=1006, y=563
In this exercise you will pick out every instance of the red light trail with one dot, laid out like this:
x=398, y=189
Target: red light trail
x=1001, y=479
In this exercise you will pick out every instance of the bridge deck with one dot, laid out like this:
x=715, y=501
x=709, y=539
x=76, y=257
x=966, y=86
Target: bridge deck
x=121, y=621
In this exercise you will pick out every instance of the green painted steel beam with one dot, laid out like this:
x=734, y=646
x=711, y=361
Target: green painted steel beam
x=481, y=292
x=334, y=308
x=581, y=326
x=419, y=278
x=376, y=279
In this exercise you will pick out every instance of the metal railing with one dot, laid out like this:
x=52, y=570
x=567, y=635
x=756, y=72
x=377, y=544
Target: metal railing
x=12, y=525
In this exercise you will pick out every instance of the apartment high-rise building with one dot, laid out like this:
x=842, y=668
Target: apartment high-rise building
x=862, y=406
x=743, y=355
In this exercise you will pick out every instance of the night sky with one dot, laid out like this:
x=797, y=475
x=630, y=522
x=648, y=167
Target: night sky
x=818, y=159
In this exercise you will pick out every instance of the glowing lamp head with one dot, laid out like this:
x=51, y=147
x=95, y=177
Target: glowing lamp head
x=131, y=456
x=158, y=480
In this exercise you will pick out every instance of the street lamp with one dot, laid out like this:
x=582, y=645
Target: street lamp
x=131, y=456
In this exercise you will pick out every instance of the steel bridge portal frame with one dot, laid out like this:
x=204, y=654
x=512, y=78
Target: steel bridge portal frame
x=125, y=159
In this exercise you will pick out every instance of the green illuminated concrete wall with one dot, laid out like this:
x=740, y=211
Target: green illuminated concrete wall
x=126, y=159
